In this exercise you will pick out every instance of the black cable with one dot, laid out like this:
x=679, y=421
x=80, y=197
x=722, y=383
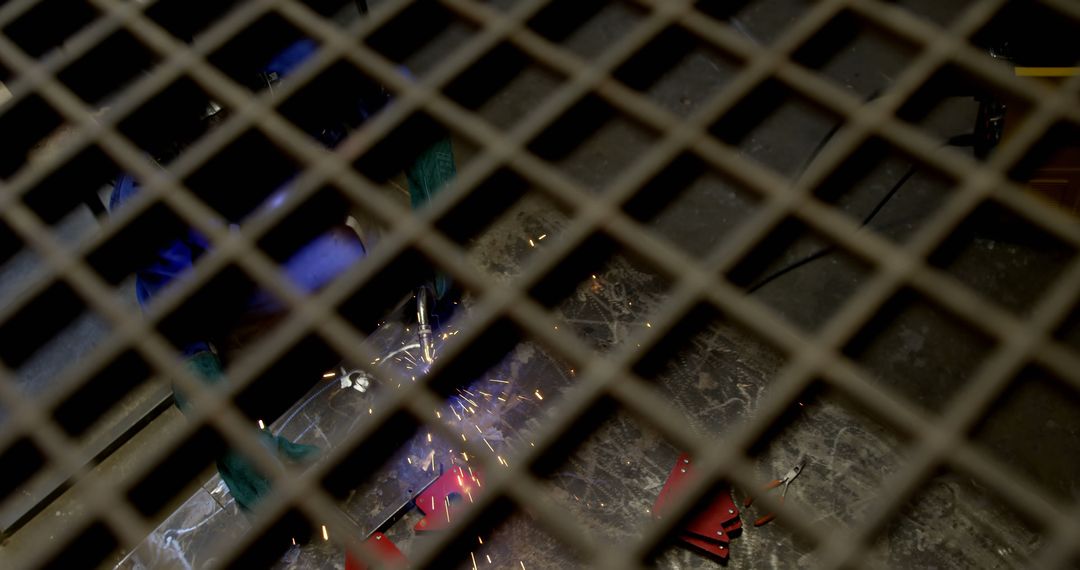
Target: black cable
x=826, y=251
x=888, y=196
x=959, y=140
x=784, y=270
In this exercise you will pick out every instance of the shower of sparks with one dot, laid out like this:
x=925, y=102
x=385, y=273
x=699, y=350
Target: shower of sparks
x=480, y=540
x=329, y=375
x=409, y=459
x=532, y=243
x=522, y=565
x=325, y=535
x=262, y=425
x=542, y=237
x=648, y=325
x=473, y=556
x=488, y=556
x=465, y=402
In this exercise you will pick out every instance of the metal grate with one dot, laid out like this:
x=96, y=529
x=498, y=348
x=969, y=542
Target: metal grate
x=939, y=440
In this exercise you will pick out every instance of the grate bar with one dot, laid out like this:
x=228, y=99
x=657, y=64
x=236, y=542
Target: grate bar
x=938, y=440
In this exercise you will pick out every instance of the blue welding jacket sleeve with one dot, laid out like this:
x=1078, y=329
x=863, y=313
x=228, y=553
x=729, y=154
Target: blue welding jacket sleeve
x=170, y=262
x=427, y=175
x=309, y=268
x=181, y=254
x=291, y=57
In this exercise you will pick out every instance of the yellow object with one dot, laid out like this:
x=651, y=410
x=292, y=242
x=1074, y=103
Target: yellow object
x=1046, y=71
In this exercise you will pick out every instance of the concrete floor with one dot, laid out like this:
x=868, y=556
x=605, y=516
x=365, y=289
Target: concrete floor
x=719, y=375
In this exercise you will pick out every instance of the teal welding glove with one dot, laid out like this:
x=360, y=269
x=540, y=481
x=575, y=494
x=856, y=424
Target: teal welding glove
x=428, y=175
x=245, y=482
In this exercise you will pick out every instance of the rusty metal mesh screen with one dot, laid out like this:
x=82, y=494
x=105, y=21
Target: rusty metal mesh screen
x=937, y=440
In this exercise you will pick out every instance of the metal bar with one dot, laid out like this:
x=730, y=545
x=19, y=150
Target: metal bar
x=939, y=440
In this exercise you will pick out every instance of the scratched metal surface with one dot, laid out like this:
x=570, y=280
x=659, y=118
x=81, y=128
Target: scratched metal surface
x=717, y=379
x=611, y=481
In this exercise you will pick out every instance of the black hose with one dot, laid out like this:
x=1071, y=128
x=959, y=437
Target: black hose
x=827, y=250
x=959, y=140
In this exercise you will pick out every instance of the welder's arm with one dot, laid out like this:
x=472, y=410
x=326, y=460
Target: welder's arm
x=246, y=483
x=169, y=262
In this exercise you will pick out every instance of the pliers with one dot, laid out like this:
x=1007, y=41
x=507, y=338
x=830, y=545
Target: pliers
x=786, y=481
